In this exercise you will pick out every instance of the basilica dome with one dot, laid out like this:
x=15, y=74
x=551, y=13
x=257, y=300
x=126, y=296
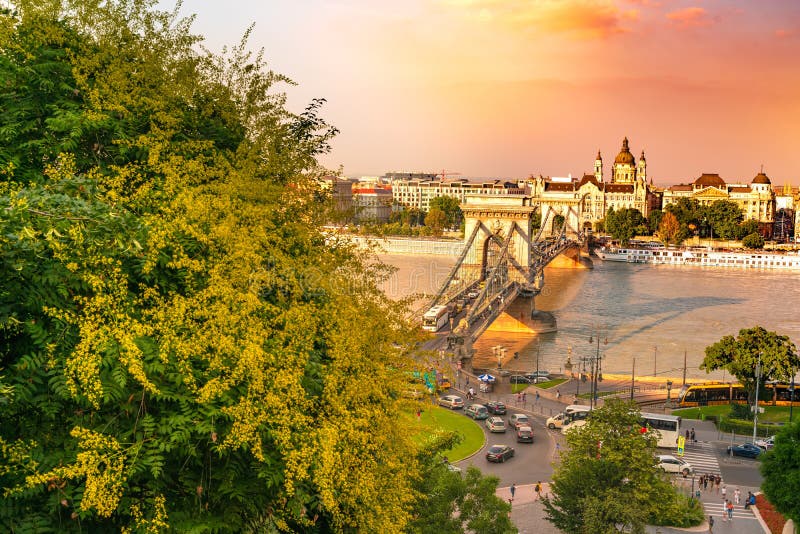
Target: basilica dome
x=761, y=178
x=625, y=157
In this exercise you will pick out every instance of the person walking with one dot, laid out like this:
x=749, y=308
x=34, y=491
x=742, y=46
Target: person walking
x=538, y=489
x=513, y=490
x=693, y=437
x=558, y=394
x=687, y=435
x=729, y=508
x=736, y=495
x=537, y=397
x=710, y=524
x=724, y=492
x=724, y=510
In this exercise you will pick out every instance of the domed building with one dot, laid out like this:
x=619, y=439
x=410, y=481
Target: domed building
x=625, y=169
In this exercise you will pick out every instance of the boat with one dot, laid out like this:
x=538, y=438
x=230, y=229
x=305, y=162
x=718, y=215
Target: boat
x=702, y=257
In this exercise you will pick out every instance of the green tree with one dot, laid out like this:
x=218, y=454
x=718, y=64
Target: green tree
x=436, y=220
x=669, y=230
x=624, y=224
x=781, y=470
x=753, y=240
x=723, y=218
x=750, y=226
x=181, y=346
x=654, y=221
x=739, y=356
x=687, y=211
x=450, y=206
x=607, y=478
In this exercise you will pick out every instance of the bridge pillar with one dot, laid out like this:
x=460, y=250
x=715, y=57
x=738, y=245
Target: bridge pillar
x=501, y=216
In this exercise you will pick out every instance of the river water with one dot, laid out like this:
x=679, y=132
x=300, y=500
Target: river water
x=650, y=313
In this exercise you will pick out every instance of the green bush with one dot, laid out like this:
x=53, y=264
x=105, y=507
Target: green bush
x=682, y=512
x=739, y=426
x=741, y=411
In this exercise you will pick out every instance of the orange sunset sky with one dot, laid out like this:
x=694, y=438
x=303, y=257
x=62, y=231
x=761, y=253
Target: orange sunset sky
x=508, y=88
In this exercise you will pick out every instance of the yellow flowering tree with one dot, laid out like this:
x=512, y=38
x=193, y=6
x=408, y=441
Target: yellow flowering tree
x=181, y=347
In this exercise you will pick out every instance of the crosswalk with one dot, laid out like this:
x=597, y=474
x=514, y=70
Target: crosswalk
x=703, y=458
x=715, y=509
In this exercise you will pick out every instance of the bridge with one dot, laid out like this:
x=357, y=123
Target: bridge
x=504, y=256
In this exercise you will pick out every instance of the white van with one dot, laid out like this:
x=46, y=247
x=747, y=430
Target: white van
x=557, y=421
x=575, y=419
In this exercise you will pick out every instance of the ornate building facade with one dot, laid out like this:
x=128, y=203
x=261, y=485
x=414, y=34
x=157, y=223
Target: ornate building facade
x=628, y=188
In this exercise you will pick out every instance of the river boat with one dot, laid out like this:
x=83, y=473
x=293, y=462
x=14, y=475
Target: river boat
x=702, y=257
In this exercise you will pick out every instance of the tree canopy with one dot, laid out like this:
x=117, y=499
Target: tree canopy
x=625, y=224
x=607, y=478
x=180, y=345
x=781, y=470
x=451, y=208
x=669, y=229
x=739, y=356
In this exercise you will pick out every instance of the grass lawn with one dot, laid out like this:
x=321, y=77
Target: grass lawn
x=551, y=383
x=434, y=418
x=772, y=414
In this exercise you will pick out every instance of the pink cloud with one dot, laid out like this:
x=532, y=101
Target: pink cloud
x=783, y=33
x=690, y=17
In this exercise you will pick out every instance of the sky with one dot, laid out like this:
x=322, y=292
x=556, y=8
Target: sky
x=511, y=88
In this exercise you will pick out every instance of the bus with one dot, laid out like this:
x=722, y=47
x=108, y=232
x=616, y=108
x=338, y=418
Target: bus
x=718, y=393
x=574, y=417
x=668, y=427
x=435, y=318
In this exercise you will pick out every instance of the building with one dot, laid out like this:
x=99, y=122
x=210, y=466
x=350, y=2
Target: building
x=341, y=190
x=418, y=193
x=628, y=188
x=372, y=203
x=756, y=199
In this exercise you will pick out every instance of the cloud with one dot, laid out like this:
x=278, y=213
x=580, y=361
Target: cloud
x=690, y=17
x=582, y=19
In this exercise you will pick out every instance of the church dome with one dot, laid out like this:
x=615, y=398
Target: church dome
x=709, y=180
x=761, y=178
x=625, y=157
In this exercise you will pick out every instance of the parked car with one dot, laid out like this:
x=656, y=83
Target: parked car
x=454, y=402
x=519, y=419
x=519, y=379
x=766, y=444
x=496, y=407
x=538, y=374
x=748, y=450
x=670, y=464
x=496, y=424
x=525, y=434
x=557, y=421
x=477, y=411
x=499, y=453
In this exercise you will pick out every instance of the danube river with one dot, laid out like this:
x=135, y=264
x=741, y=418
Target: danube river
x=652, y=314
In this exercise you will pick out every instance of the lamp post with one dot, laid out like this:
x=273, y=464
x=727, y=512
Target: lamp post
x=791, y=396
x=655, y=359
x=755, y=403
x=595, y=366
x=669, y=390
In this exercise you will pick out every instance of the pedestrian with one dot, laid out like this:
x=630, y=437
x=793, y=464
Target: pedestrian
x=687, y=435
x=724, y=492
x=538, y=489
x=700, y=481
x=519, y=398
x=558, y=394
x=513, y=490
x=705, y=482
x=736, y=495
x=710, y=524
x=724, y=510
x=558, y=449
x=524, y=397
x=747, y=501
x=729, y=508
x=419, y=413
x=718, y=481
x=537, y=397
x=694, y=439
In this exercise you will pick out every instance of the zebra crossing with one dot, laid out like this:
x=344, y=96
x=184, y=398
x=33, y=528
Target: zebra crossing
x=703, y=458
x=716, y=509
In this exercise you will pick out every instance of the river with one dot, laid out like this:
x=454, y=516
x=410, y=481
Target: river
x=647, y=312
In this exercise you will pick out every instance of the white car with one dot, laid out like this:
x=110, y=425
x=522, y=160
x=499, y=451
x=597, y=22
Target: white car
x=670, y=464
x=496, y=424
x=766, y=444
x=557, y=421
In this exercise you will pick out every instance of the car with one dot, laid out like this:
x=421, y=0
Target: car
x=670, y=464
x=496, y=424
x=748, y=450
x=454, y=402
x=477, y=411
x=472, y=295
x=496, y=407
x=766, y=444
x=525, y=434
x=444, y=383
x=557, y=421
x=499, y=453
x=519, y=419
x=538, y=374
x=453, y=468
x=540, y=379
x=519, y=379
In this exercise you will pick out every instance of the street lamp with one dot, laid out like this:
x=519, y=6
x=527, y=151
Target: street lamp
x=669, y=390
x=755, y=403
x=595, y=366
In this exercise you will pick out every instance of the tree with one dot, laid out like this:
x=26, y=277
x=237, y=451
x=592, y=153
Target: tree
x=654, y=221
x=739, y=356
x=723, y=218
x=781, y=470
x=669, y=230
x=624, y=224
x=181, y=346
x=753, y=240
x=450, y=206
x=436, y=220
x=750, y=226
x=608, y=477
x=687, y=211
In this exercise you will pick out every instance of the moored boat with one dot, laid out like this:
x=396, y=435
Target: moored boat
x=702, y=257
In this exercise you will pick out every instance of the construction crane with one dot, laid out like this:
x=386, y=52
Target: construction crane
x=444, y=174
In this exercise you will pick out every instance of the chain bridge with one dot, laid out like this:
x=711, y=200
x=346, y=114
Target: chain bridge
x=504, y=257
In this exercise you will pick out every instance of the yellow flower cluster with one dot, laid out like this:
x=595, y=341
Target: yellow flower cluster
x=101, y=462
x=157, y=523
